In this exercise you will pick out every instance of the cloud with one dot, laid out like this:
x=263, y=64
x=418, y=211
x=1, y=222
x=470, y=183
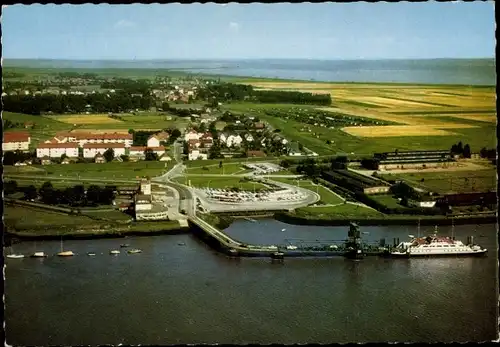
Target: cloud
x=122, y=24
x=234, y=27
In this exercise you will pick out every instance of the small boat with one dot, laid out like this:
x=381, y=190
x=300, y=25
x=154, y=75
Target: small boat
x=181, y=244
x=63, y=253
x=39, y=255
x=283, y=229
x=91, y=253
x=15, y=256
x=114, y=252
x=134, y=251
x=123, y=245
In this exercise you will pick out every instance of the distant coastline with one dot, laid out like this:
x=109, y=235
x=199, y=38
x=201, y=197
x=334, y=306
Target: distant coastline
x=473, y=72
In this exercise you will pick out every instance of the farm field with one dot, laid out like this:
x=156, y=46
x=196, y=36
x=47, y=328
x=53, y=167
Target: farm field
x=80, y=119
x=451, y=182
x=409, y=105
x=108, y=171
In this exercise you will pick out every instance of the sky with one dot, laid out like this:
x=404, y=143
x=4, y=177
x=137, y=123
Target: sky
x=325, y=31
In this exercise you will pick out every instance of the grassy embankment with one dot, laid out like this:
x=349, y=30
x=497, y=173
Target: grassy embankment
x=23, y=221
x=127, y=171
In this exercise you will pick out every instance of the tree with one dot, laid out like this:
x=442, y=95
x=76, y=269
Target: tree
x=460, y=148
x=109, y=155
x=467, y=151
x=220, y=164
x=150, y=155
x=131, y=131
x=46, y=192
x=30, y=193
x=10, y=187
x=125, y=157
x=165, y=106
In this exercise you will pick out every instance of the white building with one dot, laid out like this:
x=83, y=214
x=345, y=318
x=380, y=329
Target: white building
x=143, y=202
x=90, y=150
x=196, y=155
x=191, y=135
x=56, y=150
x=18, y=140
x=249, y=137
x=233, y=140
x=156, y=139
x=139, y=150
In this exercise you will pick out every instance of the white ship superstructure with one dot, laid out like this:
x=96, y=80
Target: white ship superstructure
x=437, y=246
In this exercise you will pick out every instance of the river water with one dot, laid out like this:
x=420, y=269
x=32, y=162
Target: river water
x=180, y=291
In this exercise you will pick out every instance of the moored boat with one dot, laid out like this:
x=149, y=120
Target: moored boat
x=66, y=254
x=134, y=251
x=39, y=255
x=15, y=256
x=114, y=252
x=437, y=246
x=91, y=253
x=124, y=245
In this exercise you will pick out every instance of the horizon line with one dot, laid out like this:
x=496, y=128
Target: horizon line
x=222, y=59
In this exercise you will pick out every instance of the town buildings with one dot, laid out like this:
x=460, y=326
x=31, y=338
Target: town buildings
x=16, y=140
x=56, y=150
x=90, y=150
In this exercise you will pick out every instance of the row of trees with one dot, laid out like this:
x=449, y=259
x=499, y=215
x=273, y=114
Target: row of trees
x=239, y=92
x=8, y=124
x=113, y=102
x=76, y=196
x=461, y=150
x=12, y=157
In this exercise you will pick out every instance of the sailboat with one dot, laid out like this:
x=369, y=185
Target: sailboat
x=63, y=253
x=13, y=255
x=38, y=254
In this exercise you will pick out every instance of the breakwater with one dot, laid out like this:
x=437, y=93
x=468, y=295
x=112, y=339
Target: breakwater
x=289, y=218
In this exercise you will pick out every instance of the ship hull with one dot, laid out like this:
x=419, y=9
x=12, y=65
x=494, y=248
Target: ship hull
x=437, y=255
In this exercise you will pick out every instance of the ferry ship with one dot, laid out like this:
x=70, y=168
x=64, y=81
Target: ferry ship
x=437, y=246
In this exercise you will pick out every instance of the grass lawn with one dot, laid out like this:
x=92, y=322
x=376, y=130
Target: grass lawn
x=113, y=170
x=388, y=200
x=25, y=217
x=327, y=197
x=220, y=182
x=448, y=182
x=213, y=169
x=110, y=215
x=44, y=127
x=340, y=211
x=241, y=161
x=59, y=184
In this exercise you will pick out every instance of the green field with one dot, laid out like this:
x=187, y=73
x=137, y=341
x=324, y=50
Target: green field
x=213, y=169
x=327, y=196
x=59, y=184
x=22, y=217
x=451, y=182
x=210, y=162
x=388, y=200
x=108, y=171
x=347, y=211
x=44, y=128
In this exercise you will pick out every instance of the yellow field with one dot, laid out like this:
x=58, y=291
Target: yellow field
x=416, y=108
x=85, y=119
x=404, y=130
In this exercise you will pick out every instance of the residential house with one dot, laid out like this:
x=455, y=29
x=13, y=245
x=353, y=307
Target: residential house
x=230, y=139
x=90, y=150
x=196, y=154
x=106, y=138
x=99, y=159
x=139, y=150
x=165, y=157
x=206, y=140
x=56, y=150
x=191, y=135
x=249, y=137
x=45, y=161
x=193, y=144
x=278, y=138
x=16, y=140
x=259, y=126
x=156, y=139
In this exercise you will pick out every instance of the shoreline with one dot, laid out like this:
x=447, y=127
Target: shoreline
x=241, y=79
x=424, y=220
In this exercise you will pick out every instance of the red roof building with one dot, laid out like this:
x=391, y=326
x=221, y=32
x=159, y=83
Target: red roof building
x=16, y=136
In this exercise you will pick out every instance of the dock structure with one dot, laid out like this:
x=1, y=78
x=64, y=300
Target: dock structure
x=348, y=248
